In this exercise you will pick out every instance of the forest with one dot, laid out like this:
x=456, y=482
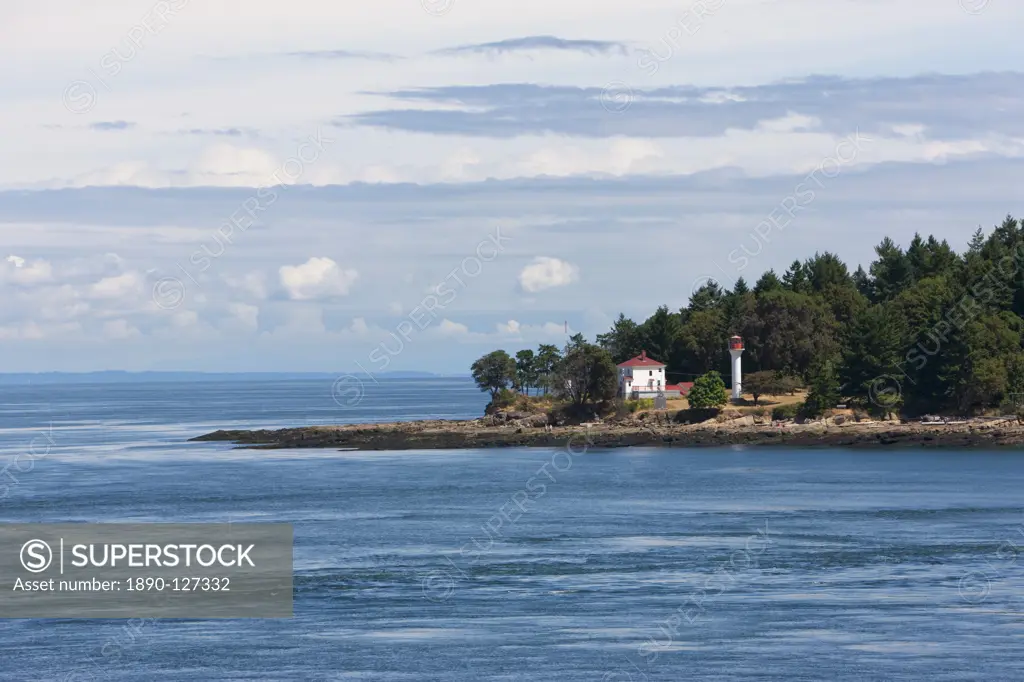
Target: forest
x=924, y=330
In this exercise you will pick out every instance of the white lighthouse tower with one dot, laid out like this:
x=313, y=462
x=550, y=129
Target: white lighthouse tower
x=736, y=351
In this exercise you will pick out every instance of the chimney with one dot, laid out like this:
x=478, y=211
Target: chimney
x=643, y=355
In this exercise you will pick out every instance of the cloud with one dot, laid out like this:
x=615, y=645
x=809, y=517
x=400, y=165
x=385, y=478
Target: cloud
x=546, y=331
x=119, y=329
x=251, y=283
x=536, y=43
x=343, y=55
x=32, y=331
x=118, y=287
x=545, y=273
x=359, y=326
x=837, y=104
x=221, y=132
x=448, y=328
x=185, y=318
x=218, y=165
x=107, y=126
x=511, y=327
x=246, y=315
x=317, y=278
x=26, y=273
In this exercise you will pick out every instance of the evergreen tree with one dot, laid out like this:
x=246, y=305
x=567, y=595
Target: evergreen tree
x=660, y=333
x=824, y=393
x=768, y=282
x=707, y=297
x=624, y=341
x=796, y=280
x=547, y=360
x=891, y=272
x=526, y=370
x=873, y=348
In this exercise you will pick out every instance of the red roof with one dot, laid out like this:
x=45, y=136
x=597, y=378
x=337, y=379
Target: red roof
x=641, y=361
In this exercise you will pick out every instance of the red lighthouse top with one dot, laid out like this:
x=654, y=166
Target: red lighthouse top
x=735, y=343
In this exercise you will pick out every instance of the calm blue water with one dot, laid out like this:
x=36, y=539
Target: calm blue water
x=637, y=564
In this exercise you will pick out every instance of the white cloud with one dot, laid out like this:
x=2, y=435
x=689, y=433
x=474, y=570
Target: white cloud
x=316, y=278
x=545, y=273
x=32, y=331
x=909, y=129
x=251, y=283
x=185, y=318
x=118, y=287
x=359, y=327
x=543, y=332
x=304, y=322
x=511, y=327
x=21, y=271
x=449, y=328
x=619, y=156
x=119, y=329
x=790, y=123
x=245, y=314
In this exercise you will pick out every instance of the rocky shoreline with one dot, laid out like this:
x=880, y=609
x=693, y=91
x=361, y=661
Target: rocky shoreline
x=490, y=432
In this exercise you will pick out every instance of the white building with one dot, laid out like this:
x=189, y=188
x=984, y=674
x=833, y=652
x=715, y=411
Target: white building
x=644, y=377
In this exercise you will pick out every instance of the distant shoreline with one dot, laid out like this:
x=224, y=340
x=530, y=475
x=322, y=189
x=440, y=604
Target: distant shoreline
x=126, y=377
x=484, y=433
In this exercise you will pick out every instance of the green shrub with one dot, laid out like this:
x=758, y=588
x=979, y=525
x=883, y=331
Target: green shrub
x=786, y=412
x=503, y=399
x=708, y=392
x=640, y=404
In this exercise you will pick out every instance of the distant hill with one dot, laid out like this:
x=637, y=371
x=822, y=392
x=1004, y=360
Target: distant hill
x=115, y=376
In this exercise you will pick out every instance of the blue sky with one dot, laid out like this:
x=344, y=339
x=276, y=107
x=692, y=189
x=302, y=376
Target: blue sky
x=186, y=186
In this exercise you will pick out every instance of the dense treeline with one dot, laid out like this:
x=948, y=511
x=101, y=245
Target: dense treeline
x=924, y=329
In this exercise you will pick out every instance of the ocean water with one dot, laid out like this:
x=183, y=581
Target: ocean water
x=526, y=564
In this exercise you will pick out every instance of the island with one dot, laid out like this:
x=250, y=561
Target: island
x=925, y=347
x=511, y=430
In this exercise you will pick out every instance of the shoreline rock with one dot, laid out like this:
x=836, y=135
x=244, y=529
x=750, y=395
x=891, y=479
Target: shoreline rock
x=524, y=432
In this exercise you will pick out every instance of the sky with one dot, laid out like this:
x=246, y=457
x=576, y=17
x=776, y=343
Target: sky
x=408, y=184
